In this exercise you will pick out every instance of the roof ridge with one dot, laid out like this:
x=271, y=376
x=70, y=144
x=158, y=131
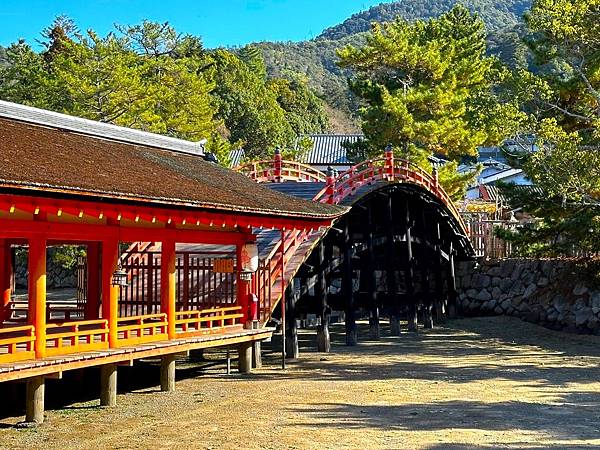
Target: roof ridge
x=37, y=116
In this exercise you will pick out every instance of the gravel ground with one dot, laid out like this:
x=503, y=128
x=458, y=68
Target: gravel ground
x=475, y=383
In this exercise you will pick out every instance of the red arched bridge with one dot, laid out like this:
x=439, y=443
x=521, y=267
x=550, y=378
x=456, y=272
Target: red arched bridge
x=392, y=253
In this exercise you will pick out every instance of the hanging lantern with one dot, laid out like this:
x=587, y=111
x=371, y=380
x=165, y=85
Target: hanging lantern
x=119, y=277
x=248, y=259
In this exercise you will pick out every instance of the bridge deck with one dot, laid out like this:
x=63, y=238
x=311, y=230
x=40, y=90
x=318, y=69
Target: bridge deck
x=58, y=364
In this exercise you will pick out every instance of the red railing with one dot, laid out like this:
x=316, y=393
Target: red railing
x=274, y=170
x=267, y=281
x=16, y=343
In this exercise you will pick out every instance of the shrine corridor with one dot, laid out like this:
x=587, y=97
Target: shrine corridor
x=473, y=383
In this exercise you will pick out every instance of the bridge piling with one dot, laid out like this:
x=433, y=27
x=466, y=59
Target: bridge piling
x=108, y=385
x=167, y=373
x=323, y=340
x=409, y=278
x=390, y=264
x=347, y=287
x=292, y=351
x=34, y=403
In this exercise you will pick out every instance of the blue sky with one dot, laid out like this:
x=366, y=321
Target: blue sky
x=218, y=22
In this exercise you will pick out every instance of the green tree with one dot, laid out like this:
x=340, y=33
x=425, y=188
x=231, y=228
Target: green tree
x=563, y=99
x=304, y=111
x=429, y=88
x=249, y=110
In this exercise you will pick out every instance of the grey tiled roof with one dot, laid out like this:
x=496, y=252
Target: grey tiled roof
x=329, y=149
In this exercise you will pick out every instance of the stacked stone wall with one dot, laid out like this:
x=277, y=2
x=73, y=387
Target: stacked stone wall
x=559, y=294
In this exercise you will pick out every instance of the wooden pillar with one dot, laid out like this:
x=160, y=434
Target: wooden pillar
x=245, y=357
x=426, y=295
x=256, y=354
x=110, y=293
x=6, y=270
x=409, y=273
x=92, y=303
x=291, y=350
x=438, y=279
x=168, y=274
x=108, y=385
x=37, y=292
x=323, y=340
x=34, y=402
x=451, y=285
x=347, y=286
x=243, y=289
x=167, y=373
x=370, y=277
x=390, y=264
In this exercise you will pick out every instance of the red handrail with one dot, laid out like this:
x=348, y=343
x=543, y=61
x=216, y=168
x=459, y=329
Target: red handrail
x=335, y=191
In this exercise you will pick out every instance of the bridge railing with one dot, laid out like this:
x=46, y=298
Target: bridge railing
x=278, y=170
x=337, y=188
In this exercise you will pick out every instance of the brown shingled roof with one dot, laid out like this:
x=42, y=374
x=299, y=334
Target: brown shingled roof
x=48, y=159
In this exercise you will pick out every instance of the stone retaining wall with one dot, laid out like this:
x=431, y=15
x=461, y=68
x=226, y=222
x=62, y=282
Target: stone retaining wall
x=558, y=294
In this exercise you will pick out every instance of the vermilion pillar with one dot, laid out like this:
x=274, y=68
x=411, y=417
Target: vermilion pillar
x=92, y=305
x=243, y=288
x=5, y=277
x=37, y=292
x=110, y=293
x=168, y=275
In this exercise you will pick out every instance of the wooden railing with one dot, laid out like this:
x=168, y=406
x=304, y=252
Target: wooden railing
x=141, y=329
x=266, y=282
x=72, y=337
x=16, y=343
x=206, y=321
x=274, y=170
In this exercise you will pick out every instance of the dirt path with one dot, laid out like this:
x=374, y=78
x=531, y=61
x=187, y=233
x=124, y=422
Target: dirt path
x=477, y=383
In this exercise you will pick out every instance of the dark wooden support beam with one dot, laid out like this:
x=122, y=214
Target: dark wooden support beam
x=427, y=307
x=409, y=275
x=439, y=311
x=390, y=261
x=291, y=297
x=256, y=355
x=323, y=340
x=347, y=286
x=371, y=278
x=452, y=294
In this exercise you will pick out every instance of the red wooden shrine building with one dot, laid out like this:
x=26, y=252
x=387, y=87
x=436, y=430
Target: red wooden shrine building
x=65, y=180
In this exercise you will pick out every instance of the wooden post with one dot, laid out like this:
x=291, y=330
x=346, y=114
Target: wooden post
x=451, y=285
x=37, y=292
x=167, y=373
x=439, y=283
x=410, y=288
x=5, y=279
x=426, y=295
x=291, y=351
x=256, y=354
x=92, y=303
x=243, y=289
x=323, y=340
x=371, y=278
x=245, y=357
x=390, y=263
x=34, y=403
x=168, y=274
x=108, y=385
x=283, y=285
x=347, y=288
x=110, y=293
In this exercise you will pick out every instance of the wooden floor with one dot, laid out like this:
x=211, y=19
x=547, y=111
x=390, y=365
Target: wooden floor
x=59, y=364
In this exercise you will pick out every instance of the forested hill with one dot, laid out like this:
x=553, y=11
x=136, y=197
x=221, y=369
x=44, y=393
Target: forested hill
x=497, y=14
x=317, y=58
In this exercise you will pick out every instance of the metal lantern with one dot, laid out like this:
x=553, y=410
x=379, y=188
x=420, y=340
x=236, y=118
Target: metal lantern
x=119, y=277
x=248, y=260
